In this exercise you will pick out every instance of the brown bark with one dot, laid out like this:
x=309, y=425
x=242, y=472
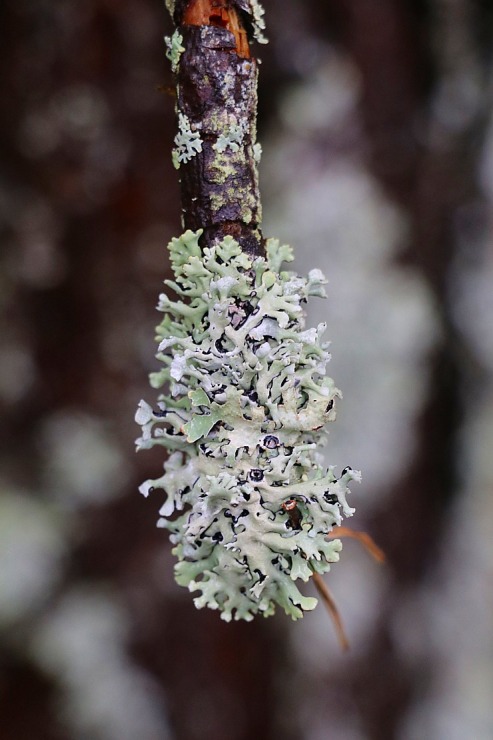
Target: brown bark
x=217, y=92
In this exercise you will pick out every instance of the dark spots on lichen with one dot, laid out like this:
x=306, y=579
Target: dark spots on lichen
x=256, y=475
x=271, y=442
x=331, y=498
x=204, y=533
x=229, y=515
x=219, y=345
x=218, y=390
x=239, y=313
x=253, y=343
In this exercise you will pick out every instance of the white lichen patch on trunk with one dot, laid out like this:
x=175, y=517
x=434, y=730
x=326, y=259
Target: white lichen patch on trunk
x=258, y=21
x=174, y=49
x=187, y=142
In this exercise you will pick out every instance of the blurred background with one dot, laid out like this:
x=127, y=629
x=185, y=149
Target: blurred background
x=376, y=118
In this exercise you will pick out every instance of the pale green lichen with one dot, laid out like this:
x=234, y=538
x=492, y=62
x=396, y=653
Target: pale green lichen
x=187, y=142
x=170, y=5
x=258, y=13
x=174, y=49
x=231, y=139
x=244, y=403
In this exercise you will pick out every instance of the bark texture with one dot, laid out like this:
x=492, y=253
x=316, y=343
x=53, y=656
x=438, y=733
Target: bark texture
x=217, y=99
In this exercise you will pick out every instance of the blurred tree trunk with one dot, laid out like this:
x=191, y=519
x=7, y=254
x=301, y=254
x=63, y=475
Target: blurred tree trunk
x=88, y=199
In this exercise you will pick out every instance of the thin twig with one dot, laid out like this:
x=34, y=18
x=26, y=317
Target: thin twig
x=329, y=602
x=362, y=537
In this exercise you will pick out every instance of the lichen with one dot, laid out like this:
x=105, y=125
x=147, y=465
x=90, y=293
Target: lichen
x=170, y=5
x=174, y=49
x=243, y=405
x=231, y=139
x=187, y=142
x=258, y=23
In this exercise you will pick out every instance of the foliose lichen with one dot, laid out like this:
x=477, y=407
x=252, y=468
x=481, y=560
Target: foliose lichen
x=231, y=139
x=174, y=49
x=258, y=13
x=187, y=142
x=243, y=404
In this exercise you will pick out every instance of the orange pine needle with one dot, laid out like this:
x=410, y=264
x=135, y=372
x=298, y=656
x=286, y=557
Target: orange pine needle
x=365, y=539
x=329, y=602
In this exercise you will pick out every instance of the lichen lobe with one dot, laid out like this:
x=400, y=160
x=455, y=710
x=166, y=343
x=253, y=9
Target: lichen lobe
x=244, y=402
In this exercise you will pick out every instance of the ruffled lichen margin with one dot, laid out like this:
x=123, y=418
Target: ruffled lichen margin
x=244, y=403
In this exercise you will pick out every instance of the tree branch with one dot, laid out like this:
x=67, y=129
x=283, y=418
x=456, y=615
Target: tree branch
x=216, y=148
